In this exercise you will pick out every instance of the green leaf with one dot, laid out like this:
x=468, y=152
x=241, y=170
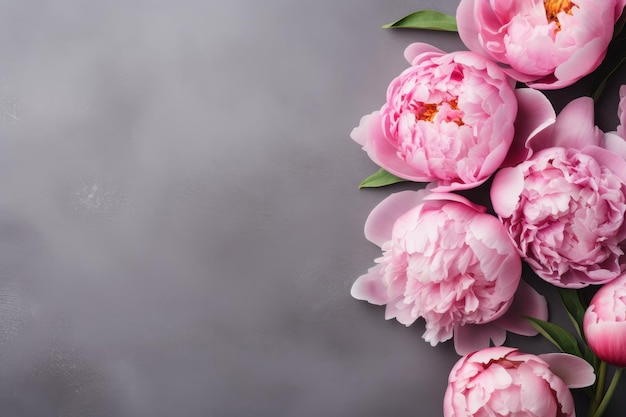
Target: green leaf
x=426, y=19
x=557, y=335
x=575, y=308
x=590, y=357
x=380, y=179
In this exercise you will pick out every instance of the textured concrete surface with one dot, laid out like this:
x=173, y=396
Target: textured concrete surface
x=179, y=216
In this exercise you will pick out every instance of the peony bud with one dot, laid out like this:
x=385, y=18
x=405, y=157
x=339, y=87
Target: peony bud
x=605, y=322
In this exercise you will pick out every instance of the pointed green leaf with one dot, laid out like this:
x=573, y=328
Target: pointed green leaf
x=575, y=308
x=590, y=357
x=380, y=179
x=426, y=19
x=557, y=335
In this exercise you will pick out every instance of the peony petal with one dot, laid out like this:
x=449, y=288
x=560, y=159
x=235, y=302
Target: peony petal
x=490, y=232
x=575, y=126
x=466, y=25
x=438, y=196
x=369, y=287
x=621, y=112
x=526, y=303
x=615, y=144
x=385, y=155
x=370, y=136
x=607, y=340
x=379, y=223
x=474, y=337
x=588, y=56
x=361, y=133
x=619, y=8
x=455, y=186
x=506, y=188
x=535, y=396
x=583, y=61
x=529, y=79
x=604, y=322
x=415, y=49
x=611, y=160
x=491, y=354
x=496, y=157
x=533, y=125
x=574, y=371
x=397, y=309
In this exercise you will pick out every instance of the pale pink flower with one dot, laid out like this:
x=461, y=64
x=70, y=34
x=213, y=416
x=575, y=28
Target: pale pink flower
x=448, y=118
x=503, y=382
x=548, y=44
x=605, y=322
x=621, y=112
x=446, y=260
x=564, y=206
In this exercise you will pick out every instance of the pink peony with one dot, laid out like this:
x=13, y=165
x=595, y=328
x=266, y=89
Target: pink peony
x=448, y=118
x=619, y=8
x=564, y=206
x=605, y=322
x=503, y=382
x=547, y=44
x=446, y=260
x=621, y=112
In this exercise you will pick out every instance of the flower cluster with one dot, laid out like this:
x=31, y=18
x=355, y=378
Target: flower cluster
x=558, y=199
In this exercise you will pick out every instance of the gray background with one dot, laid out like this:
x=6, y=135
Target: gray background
x=180, y=223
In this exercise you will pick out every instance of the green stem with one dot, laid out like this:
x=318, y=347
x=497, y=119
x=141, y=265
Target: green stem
x=609, y=393
x=600, y=386
x=599, y=389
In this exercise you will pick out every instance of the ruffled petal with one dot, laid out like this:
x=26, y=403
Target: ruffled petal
x=575, y=126
x=369, y=287
x=488, y=355
x=533, y=125
x=474, y=337
x=526, y=303
x=506, y=188
x=361, y=133
x=370, y=136
x=612, y=161
x=582, y=62
x=615, y=144
x=415, y=49
x=379, y=223
x=466, y=25
x=438, y=196
x=574, y=371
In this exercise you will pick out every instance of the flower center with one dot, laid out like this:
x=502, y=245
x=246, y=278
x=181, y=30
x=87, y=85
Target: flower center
x=554, y=7
x=430, y=110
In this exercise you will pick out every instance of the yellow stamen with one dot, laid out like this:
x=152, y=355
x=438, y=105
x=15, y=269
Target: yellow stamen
x=431, y=110
x=554, y=7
